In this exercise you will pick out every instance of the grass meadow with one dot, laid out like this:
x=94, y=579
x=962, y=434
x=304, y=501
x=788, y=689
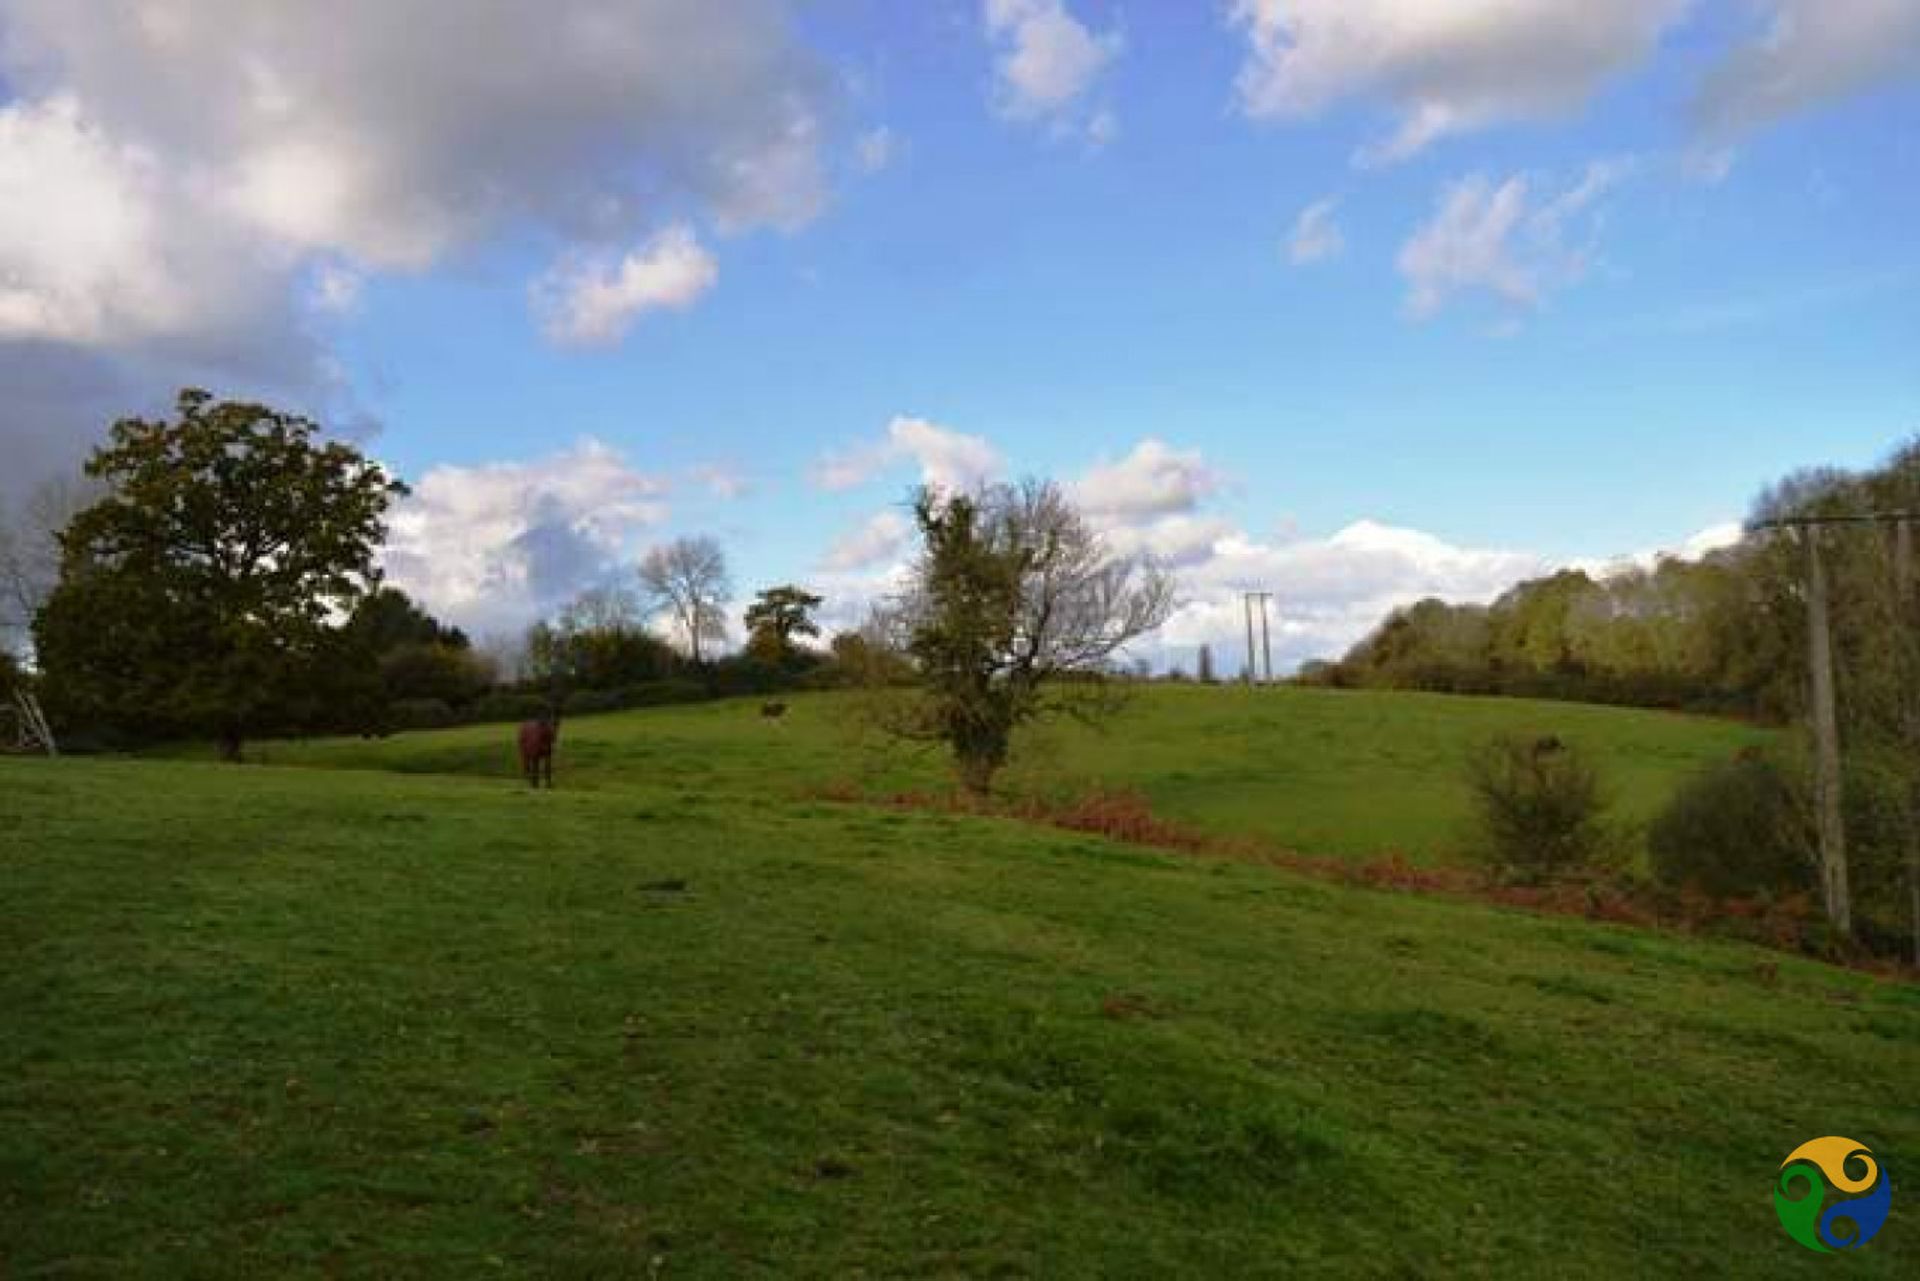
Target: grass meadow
x=373, y=1009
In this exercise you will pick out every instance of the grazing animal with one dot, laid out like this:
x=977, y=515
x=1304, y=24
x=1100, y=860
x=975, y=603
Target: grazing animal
x=537, y=738
x=773, y=711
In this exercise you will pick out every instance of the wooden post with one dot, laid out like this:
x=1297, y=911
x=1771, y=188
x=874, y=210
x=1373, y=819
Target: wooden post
x=1826, y=744
x=1266, y=646
x=1906, y=636
x=1246, y=600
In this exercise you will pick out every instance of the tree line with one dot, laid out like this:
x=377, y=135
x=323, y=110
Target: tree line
x=1730, y=632
x=217, y=575
x=1722, y=633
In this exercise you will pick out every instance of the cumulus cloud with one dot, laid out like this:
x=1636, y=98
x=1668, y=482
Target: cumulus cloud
x=1811, y=52
x=880, y=539
x=1315, y=236
x=946, y=458
x=1047, y=64
x=349, y=126
x=1328, y=592
x=183, y=188
x=493, y=546
x=591, y=300
x=1504, y=240
x=1447, y=68
x=1153, y=480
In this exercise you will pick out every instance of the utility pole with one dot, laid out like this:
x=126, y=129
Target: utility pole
x=1246, y=603
x=1830, y=823
x=1828, y=819
x=1266, y=645
x=1906, y=635
x=1255, y=670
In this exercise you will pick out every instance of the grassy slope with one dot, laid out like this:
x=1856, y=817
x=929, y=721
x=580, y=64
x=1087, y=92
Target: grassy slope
x=304, y=1023
x=1323, y=771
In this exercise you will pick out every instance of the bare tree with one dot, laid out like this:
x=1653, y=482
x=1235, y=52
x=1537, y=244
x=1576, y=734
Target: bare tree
x=1016, y=609
x=30, y=551
x=687, y=580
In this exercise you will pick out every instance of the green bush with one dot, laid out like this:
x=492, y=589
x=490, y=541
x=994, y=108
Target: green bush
x=419, y=713
x=662, y=693
x=585, y=702
x=1733, y=828
x=1538, y=806
x=502, y=705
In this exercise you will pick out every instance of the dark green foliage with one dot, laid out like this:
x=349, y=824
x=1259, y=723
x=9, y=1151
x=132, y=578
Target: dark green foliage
x=1737, y=827
x=777, y=615
x=1538, y=807
x=603, y=655
x=455, y=676
x=504, y=705
x=387, y=618
x=419, y=713
x=198, y=595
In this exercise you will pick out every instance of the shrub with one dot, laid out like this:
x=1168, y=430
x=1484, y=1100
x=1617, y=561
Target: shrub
x=1539, y=807
x=438, y=672
x=419, y=713
x=661, y=693
x=504, y=706
x=585, y=702
x=1733, y=828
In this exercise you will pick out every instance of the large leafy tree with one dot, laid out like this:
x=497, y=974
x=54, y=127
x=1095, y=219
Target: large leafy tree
x=203, y=593
x=1014, y=610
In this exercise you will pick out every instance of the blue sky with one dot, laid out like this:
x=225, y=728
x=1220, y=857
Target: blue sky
x=1579, y=283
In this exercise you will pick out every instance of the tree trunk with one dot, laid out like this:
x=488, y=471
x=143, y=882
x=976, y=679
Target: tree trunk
x=1826, y=745
x=976, y=775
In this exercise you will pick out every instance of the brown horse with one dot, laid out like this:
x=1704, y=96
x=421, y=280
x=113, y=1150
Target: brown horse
x=537, y=738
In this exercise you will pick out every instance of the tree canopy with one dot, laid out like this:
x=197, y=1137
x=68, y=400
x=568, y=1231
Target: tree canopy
x=1013, y=595
x=204, y=592
x=777, y=615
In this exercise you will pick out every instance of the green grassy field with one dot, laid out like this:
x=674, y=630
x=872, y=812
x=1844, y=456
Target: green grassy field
x=674, y=1021
x=1320, y=771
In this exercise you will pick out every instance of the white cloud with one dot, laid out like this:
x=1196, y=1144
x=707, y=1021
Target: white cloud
x=1448, y=66
x=1812, y=52
x=93, y=242
x=1176, y=541
x=183, y=186
x=1501, y=241
x=878, y=540
x=592, y=301
x=1696, y=545
x=493, y=546
x=875, y=149
x=352, y=127
x=1327, y=592
x=1153, y=480
x=1315, y=236
x=947, y=459
x=1046, y=66
x=722, y=480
